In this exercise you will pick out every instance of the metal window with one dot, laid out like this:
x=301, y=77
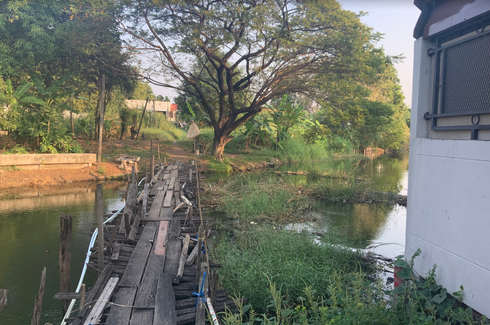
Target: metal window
x=462, y=82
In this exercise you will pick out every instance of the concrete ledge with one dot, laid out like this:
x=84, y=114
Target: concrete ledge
x=41, y=161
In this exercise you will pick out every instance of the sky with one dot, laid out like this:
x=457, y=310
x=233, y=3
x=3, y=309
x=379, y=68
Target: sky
x=393, y=18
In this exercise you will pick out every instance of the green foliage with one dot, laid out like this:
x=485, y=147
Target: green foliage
x=128, y=118
x=142, y=91
x=285, y=114
x=238, y=56
x=17, y=150
x=290, y=260
x=346, y=297
x=101, y=170
x=253, y=197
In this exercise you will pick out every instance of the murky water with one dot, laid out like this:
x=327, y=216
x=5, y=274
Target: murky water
x=381, y=227
x=29, y=241
x=29, y=230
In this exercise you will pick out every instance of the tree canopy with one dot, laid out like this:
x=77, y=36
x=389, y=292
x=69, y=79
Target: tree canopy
x=234, y=56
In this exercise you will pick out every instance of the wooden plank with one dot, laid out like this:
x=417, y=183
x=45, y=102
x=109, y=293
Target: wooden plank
x=96, y=289
x=115, y=252
x=3, y=299
x=166, y=176
x=99, y=307
x=142, y=317
x=145, y=297
x=137, y=262
x=119, y=315
x=161, y=238
x=183, y=256
x=166, y=213
x=165, y=302
x=168, y=198
x=156, y=205
x=176, y=165
x=177, y=185
x=192, y=256
x=172, y=182
x=173, y=249
x=154, y=190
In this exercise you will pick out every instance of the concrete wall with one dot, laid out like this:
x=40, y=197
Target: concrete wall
x=42, y=161
x=165, y=107
x=448, y=214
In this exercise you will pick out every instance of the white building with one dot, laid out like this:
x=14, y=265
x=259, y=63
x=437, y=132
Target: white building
x=167, y=108
x=448, y=215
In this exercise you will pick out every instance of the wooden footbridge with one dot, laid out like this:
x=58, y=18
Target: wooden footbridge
x=154, y=269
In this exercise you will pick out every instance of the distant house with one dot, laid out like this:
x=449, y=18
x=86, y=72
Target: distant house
x=448, y=214
x=170, y=110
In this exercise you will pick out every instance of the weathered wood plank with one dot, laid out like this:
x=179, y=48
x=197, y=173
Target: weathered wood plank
x=96, y=312
x=168, y=198
x=192, y=256
x=154, y=190
x=142, y=317
x=137, y=262
x=156, y=205
x=176, y=165
x=94, y=292
x=115, y=252
x=183, y=256
x=119, y=315
x=165, y=302
x=173, y=249
x=145, y=297
x=3, y=299
x=161, y=238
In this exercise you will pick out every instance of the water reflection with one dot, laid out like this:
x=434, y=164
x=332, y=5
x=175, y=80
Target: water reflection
x=364, y=225
x=29, y=238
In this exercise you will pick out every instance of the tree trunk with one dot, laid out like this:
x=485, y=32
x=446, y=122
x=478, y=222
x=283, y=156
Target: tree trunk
x=219, y=142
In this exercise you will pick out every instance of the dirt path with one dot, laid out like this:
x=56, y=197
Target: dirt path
x=12, y=181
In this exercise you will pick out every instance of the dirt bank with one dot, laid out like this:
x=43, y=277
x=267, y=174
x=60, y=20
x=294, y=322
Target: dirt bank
x=13, y=179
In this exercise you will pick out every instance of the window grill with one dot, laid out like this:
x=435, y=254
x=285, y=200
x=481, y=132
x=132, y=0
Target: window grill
x=462, y=82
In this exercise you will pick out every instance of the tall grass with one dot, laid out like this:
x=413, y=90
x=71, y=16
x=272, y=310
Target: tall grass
x=258, y=196
x=290, y=260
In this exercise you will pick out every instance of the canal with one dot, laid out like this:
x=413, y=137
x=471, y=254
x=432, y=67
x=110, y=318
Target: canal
x=29, y=241
x=29, y=229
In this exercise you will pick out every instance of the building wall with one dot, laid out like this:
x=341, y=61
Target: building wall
x=164, y=107
x=448, y=214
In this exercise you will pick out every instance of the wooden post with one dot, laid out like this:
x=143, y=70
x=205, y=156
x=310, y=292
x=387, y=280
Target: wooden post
x=154, y=115
x=213, y=285
x=101, y=120
x=141, y=121
x=65, y=256
x=3, y=299
x=151, y=147
x=158, y=149
x=38, y=302
x=82, y=293
x=152, y=166
x=199, y=252
x=99, y=199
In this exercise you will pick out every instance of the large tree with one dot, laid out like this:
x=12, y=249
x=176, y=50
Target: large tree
x=247, y=52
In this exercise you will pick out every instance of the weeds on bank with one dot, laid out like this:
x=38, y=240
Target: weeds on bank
x=257, y=196
x=330, y=291
x=290, y=260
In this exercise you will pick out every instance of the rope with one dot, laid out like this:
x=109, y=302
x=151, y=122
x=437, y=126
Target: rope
x=200, y=295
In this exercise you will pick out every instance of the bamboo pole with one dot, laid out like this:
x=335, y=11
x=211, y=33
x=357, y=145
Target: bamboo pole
x=141, y=121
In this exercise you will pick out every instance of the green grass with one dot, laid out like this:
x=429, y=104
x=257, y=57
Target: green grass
x=288, y=259
x=258, y=196
x=167, y=136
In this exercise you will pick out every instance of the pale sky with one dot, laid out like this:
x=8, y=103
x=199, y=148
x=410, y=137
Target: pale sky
x=393, y=18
